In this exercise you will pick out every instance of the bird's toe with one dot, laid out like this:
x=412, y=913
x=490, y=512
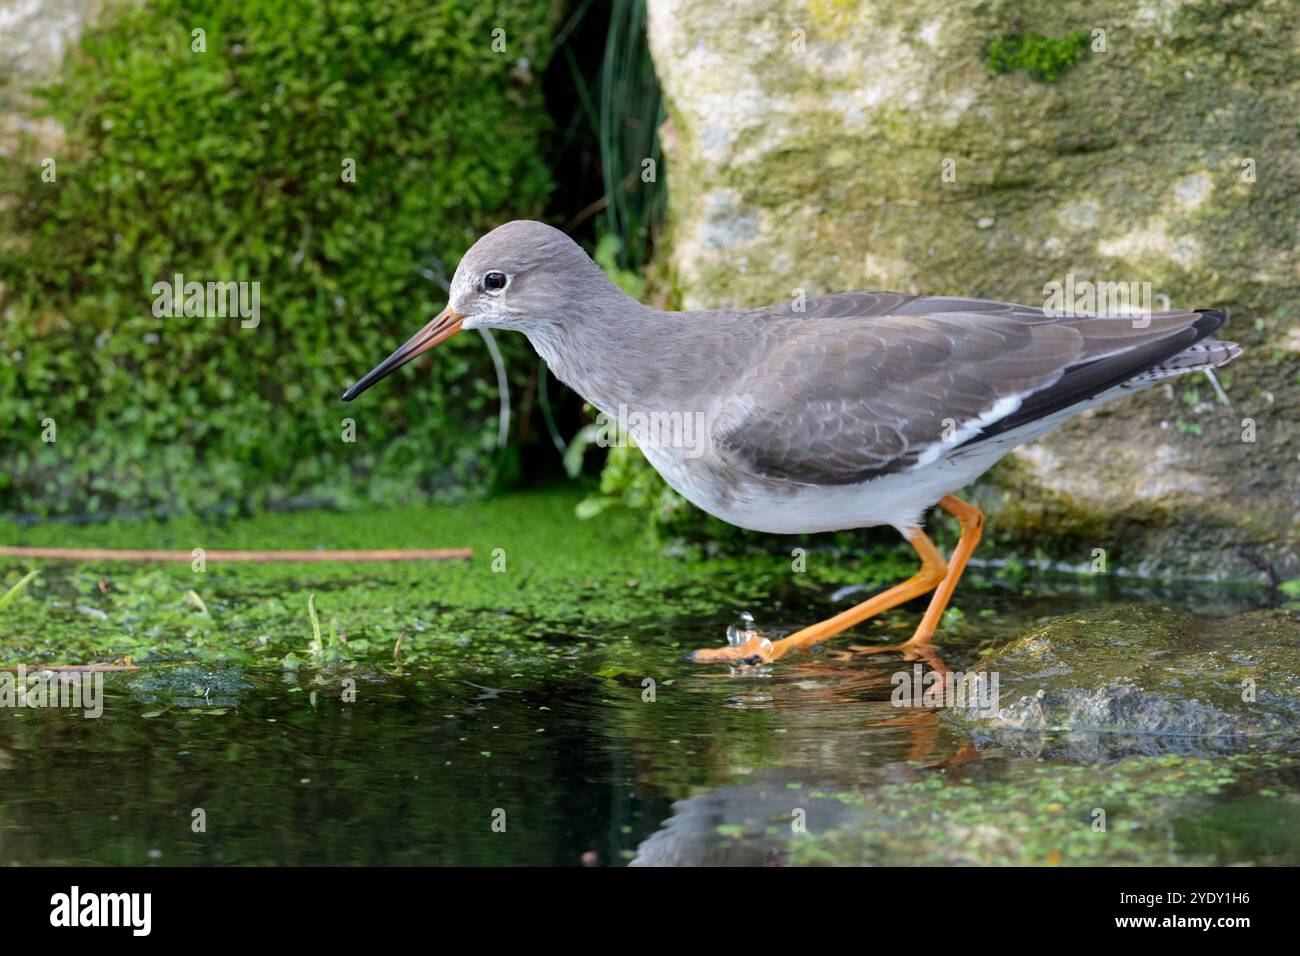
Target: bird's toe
x=756, y=650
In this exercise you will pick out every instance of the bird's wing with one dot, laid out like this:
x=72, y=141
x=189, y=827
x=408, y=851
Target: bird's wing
x=843, y=398
x=860, y=305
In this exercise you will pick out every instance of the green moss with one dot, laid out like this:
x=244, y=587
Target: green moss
x=522, y=602
x=1043, y=58
x=1043, y=816
x=1125, y=677
x=227, y=165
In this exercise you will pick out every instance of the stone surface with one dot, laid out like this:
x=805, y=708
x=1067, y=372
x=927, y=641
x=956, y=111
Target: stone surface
x=807, y=143
x=34, y=36
x=1111, y=682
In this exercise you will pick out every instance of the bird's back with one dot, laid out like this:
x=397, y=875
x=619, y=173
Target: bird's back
x=865, y=384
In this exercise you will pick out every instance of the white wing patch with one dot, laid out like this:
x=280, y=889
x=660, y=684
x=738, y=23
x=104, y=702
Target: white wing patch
x=968, y=430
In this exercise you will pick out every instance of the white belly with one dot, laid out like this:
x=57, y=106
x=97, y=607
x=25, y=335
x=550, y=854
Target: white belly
x=898, y=500
x=783, y=507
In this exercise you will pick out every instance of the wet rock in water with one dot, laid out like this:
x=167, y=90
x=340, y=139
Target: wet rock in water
x=187, y=685
x=1105, y=684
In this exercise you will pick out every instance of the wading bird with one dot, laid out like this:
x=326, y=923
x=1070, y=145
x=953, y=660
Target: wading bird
x=863, y=409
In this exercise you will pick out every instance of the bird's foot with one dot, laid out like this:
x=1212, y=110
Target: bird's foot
x=911, y=650
x=751, y=648
x=745, y=645
x=756, y=650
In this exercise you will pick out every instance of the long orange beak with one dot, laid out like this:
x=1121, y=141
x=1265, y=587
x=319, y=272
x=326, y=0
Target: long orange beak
x=440, y=329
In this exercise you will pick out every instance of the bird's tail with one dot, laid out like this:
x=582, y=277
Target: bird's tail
x=1206, y=353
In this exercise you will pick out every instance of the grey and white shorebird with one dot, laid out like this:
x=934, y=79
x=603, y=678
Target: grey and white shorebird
x=863, y=409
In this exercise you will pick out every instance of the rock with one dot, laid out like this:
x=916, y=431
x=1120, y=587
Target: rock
x=34, y=35
x=187, y=686
x=1106, y=683
x=821, y=147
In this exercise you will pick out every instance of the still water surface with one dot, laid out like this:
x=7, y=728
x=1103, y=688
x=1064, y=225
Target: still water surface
x=806, y=762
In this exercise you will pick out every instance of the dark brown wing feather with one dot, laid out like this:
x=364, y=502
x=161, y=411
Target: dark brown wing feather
x=1081, y=382
x=867, y=382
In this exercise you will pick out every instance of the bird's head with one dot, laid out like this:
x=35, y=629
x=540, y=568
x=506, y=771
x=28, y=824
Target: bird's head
x=523, y=275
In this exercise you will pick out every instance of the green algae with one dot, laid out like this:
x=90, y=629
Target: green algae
x=543, y=590
x=341, y=690
x=1051, y=815
x=540, y=588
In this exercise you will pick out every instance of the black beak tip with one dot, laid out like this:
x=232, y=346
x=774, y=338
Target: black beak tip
x=350, y=394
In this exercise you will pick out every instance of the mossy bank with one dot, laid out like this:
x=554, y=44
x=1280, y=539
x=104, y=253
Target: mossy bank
x=336, y=156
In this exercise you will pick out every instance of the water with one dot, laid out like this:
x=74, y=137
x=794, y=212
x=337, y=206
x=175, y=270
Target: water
x=553, y=722
x=715, y=766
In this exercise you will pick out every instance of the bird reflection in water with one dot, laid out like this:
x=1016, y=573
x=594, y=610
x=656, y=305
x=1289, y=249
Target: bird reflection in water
x=818, y=757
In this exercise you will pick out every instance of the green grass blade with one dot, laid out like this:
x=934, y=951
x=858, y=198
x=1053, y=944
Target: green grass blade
x=17, y=589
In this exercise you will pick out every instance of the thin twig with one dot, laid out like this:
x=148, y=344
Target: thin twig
x=37, y=668
x=110, y=554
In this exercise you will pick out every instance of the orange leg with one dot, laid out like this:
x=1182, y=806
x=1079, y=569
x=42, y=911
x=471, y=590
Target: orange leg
x=761, y=650
x=936, y=575
x=971, y=520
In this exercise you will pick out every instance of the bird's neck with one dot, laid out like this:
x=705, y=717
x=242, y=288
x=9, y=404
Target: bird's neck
x=612, y=360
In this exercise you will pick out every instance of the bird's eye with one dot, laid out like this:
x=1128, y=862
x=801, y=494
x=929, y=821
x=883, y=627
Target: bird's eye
x=494, y=281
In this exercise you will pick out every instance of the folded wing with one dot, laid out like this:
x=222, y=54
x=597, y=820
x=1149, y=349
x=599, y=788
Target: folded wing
x=872, y=384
